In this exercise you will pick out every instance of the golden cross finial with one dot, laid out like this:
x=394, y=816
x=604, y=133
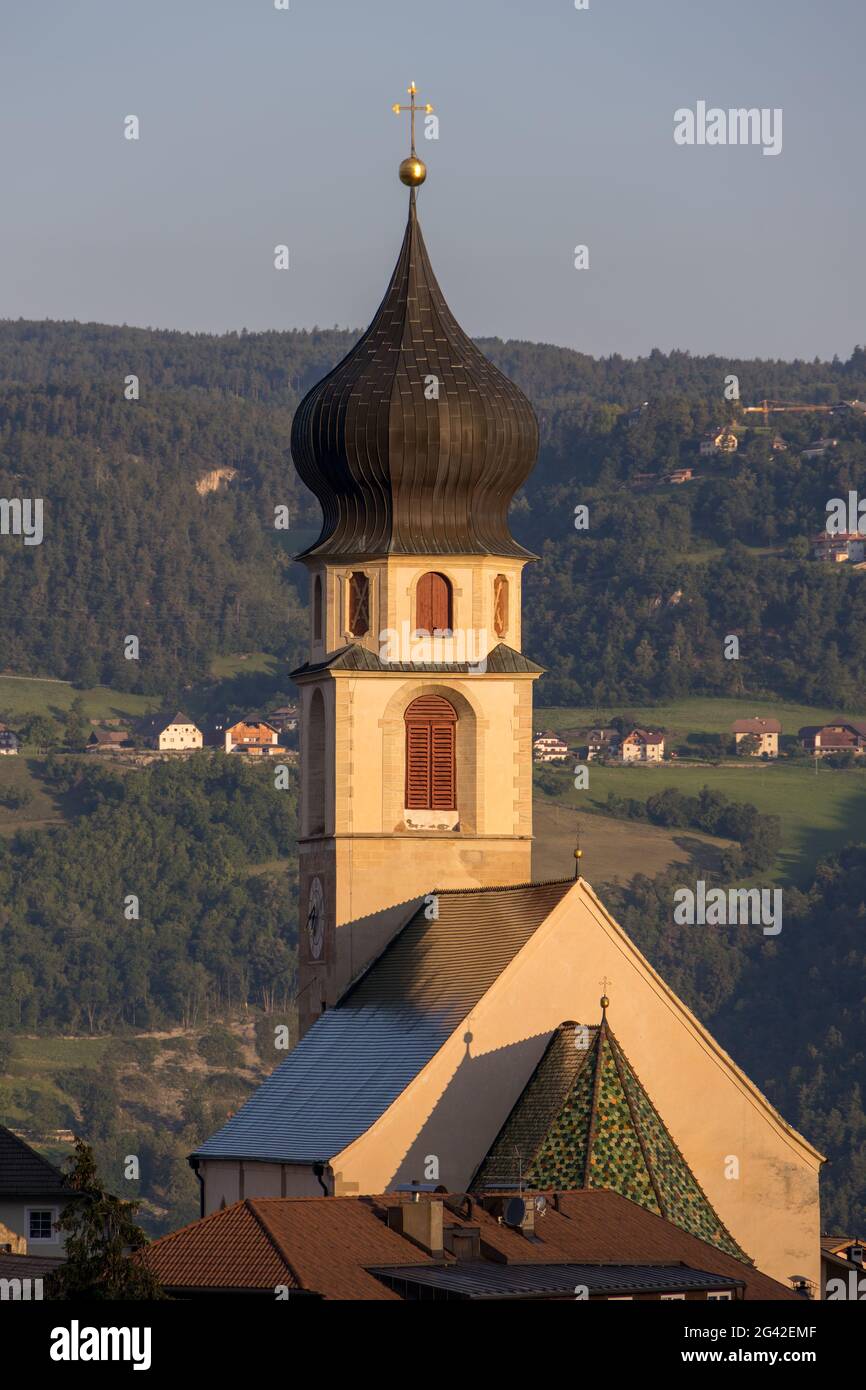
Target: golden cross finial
x=412, y=107
x=604, y=1001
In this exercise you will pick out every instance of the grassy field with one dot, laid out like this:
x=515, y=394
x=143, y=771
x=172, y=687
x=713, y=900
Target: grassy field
x=613, y=850
x=32, y=695
x=818, y=814
x=247, y=663
x=19, y=777
x=25, y=695
x=695, y=715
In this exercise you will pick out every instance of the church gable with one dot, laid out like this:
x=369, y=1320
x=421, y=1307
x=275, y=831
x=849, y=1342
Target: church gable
x=585, y=1121
x=359, y=1057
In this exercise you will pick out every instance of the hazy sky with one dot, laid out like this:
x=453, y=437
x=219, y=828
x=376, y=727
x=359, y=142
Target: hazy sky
x=261, y=127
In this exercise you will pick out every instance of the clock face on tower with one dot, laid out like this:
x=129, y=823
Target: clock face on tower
x=316, y=918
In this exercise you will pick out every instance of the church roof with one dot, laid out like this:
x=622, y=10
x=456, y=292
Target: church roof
x=414, y=444
x=502, y=660
x=584, y=1120
x=358, y=1057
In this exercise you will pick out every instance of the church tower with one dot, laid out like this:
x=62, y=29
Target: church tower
x=416, y=752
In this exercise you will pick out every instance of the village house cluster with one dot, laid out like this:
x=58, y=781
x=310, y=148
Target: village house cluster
x=252, y=736
x=756, y=737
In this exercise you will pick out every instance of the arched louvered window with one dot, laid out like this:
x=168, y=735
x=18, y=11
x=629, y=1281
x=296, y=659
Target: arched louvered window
x=359, y=604
x=500, y=605
x=317, y=608
x=315, y=778
x=431, y=774
x=433, y=603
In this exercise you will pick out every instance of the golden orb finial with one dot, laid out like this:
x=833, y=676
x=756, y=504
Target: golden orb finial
x=413, y=171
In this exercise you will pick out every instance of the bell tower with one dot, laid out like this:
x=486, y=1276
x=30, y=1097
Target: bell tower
x=416, y=700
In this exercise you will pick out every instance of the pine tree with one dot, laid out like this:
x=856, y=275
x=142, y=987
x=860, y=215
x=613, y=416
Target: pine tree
x=101, y=1237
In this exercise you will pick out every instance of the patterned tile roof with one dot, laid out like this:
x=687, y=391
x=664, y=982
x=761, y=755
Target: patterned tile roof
x=585, y=1121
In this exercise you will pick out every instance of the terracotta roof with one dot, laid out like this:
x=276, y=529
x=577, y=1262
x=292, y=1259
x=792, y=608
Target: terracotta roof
x=328, y=1246
x=319, y=1245
x=584, y=1120
x=23, y=1170
x=601, y=1225
x=756, y=726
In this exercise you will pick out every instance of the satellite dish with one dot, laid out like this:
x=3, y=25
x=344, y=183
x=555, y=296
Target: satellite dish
x=541, y=1204
x=515, y=1211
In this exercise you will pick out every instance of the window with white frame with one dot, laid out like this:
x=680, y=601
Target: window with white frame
x=40, y=1223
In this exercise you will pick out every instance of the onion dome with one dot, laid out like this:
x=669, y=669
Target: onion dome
x=415, y=443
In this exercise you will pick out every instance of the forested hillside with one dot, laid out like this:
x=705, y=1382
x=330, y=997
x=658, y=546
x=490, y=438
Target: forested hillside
x=636, y=606
x=159, y=522
x=212, y=928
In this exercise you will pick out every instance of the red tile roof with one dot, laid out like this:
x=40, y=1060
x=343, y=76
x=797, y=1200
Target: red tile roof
x=326, y=1245
x=318, y=1244
x=756, y=726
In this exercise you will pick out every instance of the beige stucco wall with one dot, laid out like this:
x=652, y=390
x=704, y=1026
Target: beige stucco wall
x=13, y=1215
x=227, y=1182
x=393, y=583
x=456, y=1105
x=368, y=858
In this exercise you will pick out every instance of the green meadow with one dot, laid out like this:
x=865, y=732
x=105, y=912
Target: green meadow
x=691, y=716
x=818, y=813
x=20, y=695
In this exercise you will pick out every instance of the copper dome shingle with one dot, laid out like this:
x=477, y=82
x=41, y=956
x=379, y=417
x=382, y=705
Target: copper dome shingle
x=394, y=471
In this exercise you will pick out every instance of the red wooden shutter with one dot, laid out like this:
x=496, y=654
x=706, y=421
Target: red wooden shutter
x=433, y=603
x=431, y=724
x=442, y=767
x=417, y=766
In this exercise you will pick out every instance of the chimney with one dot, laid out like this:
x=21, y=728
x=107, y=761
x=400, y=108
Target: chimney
x=419, y=1221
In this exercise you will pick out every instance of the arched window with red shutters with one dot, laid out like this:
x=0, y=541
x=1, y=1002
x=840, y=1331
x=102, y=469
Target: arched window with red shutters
x=433, y=603
x=431, y=771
